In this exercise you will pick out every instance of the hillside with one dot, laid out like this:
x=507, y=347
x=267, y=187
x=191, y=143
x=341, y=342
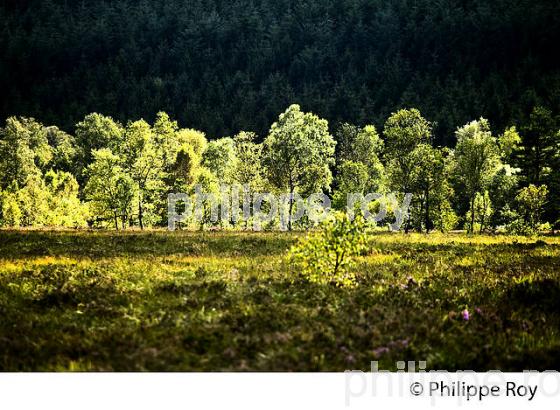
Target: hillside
x=223, y=66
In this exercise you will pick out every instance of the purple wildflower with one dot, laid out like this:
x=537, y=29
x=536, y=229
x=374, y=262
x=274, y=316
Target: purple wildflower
x=380, y=351
x=465, y=314
x=350, y=359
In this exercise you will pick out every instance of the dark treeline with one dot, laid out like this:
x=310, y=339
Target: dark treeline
x=222, y=66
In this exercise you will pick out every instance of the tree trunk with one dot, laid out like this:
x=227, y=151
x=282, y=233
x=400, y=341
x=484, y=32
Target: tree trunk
x=483, y=217
x=291, y=206
x=538, y=163
x=471, y=230
x=407, y=224
x=116, y=220
x=140, y=212
x=427, y=216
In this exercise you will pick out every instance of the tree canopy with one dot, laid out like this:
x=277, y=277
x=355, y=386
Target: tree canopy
x=120, y=176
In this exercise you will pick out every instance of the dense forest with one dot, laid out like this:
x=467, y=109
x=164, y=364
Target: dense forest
x=190, y=94
x=117, y=175
x=223, y=66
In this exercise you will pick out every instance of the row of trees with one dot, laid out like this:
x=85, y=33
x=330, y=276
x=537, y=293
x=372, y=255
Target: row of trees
x=114, y=175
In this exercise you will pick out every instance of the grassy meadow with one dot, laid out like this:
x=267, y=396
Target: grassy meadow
x=229, y=301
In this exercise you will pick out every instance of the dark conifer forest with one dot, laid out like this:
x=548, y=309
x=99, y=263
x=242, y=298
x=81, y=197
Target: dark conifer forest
x=224, y=66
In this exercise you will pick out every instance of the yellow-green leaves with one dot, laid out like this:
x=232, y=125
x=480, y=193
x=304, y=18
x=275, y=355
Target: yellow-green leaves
x=327, y=256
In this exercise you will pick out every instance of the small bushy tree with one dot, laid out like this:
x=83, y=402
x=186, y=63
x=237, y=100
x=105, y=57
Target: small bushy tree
x=165, y=133
x=208, y=205
x=65, y=150
x=327, y=256
x=184, y=165
x=65, y=208
x=531, y=201
x=358, y=167
x=248, y=168
x=10, y=212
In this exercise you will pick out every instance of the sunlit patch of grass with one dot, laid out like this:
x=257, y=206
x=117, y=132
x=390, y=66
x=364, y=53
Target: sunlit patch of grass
x=15, y=265
x=381, y=259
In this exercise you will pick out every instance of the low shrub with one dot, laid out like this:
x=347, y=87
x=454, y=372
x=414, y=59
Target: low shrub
x=327, y=256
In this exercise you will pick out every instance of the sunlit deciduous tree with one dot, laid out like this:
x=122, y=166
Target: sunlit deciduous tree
x=477, y=158
x=298, y=153
x=404, y=131
x=109, y=188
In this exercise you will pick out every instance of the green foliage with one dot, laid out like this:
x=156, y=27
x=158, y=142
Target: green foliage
x=540, y=158
x=248, y=168
x=167, y=138
x=24, y=151
x=52, y=202
x=483, y=212
x=509, y=142
x=33, y=201
x=477, y=162
x=328, y=256
x=145, y=163
x=192, y=138
x=352, y=178
x=185, y=169
x=95, y=132
x=358, y=144
x=532, y=200
x=10, y=212
x=220, y=158
x=502, y=190
x=430, y=187
x=540, y=144
x=404, y=131
x=208, y=197
x=361, y=146
x=359, y=169
x=185, y=166
x=445, y=219
x=298, y=153
x=110, y=190
x=65, y=149
x=66, y=210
